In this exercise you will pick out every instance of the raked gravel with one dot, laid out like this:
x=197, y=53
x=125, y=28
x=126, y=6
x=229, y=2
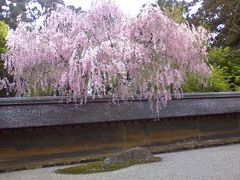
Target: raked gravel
x=218, y=163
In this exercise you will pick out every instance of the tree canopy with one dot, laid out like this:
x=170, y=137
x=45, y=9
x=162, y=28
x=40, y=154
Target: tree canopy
x=3, y=35
x=102, y=51
x=173, y=9
x=3, y=49
x=12, y=11
x=221, y=17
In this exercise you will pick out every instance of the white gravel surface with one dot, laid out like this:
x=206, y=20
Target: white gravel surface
x=219, y=163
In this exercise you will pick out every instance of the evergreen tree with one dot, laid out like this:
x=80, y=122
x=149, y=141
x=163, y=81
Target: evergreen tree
x=12, y=11
x=221, y=17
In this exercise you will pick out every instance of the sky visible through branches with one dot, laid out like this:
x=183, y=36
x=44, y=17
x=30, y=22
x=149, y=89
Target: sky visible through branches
x=130, y=7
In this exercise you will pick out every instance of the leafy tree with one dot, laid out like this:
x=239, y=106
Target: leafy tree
x=3, y=49
x=228, y=61
x=81, y=53
x=3, y=35
x=221, y=17
x=214, y=83
x=224, y=64
x=12, y=11
x=173, y=9
x=225, y=76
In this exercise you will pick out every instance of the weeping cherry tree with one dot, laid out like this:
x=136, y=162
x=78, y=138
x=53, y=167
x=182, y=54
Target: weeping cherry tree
x=104, y=52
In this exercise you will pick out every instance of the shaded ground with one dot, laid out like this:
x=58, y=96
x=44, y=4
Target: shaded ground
x=219, y=163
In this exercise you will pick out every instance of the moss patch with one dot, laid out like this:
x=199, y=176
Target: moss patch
x=96, y=167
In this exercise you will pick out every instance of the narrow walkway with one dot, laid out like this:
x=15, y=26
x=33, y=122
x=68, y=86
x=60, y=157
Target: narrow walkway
x=219, y=163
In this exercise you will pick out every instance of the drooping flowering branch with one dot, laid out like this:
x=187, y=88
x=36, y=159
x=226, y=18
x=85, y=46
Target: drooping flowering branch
x=104, y=52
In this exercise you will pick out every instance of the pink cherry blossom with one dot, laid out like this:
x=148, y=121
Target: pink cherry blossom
x=105, y=52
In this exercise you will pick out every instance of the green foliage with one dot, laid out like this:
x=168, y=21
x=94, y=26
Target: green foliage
x=225, y=64
x=173, y=9
x=3, y=35
x=3, y=49
x=228, y=61
x=222, y=18
x=97, y=167
x=215, y=83
x=192, y=84
x=42, y=92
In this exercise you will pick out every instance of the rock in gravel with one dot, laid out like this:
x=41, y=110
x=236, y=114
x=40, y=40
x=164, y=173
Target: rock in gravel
x=134, y=154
